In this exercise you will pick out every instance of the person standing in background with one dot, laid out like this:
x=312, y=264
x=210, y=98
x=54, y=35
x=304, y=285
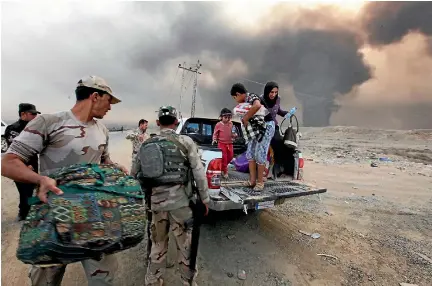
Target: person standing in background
x=138, y=137
x=27, y=112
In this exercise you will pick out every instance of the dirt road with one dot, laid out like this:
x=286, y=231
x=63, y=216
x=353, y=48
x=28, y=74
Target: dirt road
x=375, y=221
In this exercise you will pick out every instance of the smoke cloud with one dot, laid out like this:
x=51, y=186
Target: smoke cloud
x=324, y=59
x=389, y=22
x=318, y=63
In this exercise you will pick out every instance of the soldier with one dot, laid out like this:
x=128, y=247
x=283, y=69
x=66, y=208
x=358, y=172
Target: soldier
x=63, y=139
x=171, y=192
x=138, y=136
x=26, y=112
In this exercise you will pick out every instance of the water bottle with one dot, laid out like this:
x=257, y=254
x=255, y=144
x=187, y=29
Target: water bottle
x=291, y=112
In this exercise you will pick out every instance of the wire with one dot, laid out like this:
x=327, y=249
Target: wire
x=184, y=90
x=173, y=82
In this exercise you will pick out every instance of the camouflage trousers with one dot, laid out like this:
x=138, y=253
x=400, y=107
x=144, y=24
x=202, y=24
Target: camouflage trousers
x=162, y=222
x=99, y=273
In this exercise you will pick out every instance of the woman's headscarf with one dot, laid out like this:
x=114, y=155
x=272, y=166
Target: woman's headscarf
x=267, y=89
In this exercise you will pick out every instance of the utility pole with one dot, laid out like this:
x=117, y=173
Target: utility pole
x=194, y=69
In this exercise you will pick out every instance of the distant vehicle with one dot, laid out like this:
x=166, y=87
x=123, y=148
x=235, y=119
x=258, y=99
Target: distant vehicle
x=231, y=194
x=4, y=142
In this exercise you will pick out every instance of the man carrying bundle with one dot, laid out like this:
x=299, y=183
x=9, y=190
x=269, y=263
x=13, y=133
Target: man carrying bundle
x=66, y=138
x=167, y=166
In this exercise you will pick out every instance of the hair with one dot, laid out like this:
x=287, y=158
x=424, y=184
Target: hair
x=142, y=121
x=225, y=111
x=84, y=92
x=167, y=120
x=238, y=87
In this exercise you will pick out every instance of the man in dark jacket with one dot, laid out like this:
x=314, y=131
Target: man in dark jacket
x=26, y=112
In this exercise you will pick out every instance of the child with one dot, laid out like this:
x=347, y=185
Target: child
x=258, y=139
x=223, y=135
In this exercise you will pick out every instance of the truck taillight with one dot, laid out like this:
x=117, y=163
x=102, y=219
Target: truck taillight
x=214, y=173
x=301, y=163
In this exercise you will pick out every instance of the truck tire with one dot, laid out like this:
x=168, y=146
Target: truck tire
x=4, y=144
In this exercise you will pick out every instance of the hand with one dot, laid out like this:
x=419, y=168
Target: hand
x=141, y=138
x=47, y=184
x=214, y=142
x=123, y=168
x=245, y=122
x=207, y=209
x=30, y=167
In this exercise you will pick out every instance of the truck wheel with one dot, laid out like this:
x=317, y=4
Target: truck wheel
x=4, y=144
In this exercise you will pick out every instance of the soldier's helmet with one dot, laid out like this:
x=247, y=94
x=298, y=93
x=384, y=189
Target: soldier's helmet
x=167, y=111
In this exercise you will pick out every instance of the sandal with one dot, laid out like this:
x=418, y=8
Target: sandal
x=259, y=187
x=248, y=184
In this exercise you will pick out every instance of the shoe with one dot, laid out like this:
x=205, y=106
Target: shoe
x=259, y=187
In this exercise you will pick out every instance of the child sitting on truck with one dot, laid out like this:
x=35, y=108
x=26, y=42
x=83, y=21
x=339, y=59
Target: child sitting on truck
x=223, y=136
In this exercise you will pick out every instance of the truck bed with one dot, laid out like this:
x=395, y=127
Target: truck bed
x=273, y=191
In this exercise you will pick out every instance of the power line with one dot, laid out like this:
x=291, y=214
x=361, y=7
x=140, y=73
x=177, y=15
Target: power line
x=175, y=77
x=195, y=72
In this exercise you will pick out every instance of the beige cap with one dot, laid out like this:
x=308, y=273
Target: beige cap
x=100, y=84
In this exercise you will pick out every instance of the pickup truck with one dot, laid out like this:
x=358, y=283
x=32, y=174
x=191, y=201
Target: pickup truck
x=228, y=194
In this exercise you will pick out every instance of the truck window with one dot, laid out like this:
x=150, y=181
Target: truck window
x=207, y=130
x=192, y=128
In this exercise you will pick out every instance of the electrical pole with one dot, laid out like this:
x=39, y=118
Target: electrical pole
x=193, y=69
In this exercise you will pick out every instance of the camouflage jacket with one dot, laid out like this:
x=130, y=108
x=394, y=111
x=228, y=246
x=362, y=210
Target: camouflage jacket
x=166, y=198
x=137, y=140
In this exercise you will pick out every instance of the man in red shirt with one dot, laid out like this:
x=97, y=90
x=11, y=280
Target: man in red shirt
x=223, y=135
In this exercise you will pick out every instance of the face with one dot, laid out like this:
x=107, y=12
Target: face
x=101, y=104
x=239, y=98
x=273, y=93
x=27, y=116
x=226, y=118
x=143, y=126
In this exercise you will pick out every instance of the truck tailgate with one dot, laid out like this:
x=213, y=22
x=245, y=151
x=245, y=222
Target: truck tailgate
x=234, y=190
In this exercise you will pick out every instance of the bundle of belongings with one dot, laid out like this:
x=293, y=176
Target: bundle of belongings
x=256, y=127
x=100, y=212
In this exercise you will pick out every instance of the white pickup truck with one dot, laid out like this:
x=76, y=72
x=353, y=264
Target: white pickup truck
x=230, y=193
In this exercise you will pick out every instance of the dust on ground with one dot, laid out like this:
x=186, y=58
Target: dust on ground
x=374, y=222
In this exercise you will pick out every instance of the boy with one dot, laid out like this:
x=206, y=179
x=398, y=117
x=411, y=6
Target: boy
x=223, y=136
x=259, y=135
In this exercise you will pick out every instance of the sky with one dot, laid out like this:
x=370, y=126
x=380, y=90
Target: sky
x=350, y=63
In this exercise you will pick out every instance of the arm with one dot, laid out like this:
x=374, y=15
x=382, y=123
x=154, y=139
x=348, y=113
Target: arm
x=216, y=132
x=197, y=169
x=254, y=109
x=136, y=166
x=28, y=144
x=132, y=136
x=281, y=112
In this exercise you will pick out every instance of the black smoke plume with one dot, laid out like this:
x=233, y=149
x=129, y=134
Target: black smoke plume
x=388, y=22
x=318, y=63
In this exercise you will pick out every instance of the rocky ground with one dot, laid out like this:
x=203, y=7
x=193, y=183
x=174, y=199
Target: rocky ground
x=375, y=221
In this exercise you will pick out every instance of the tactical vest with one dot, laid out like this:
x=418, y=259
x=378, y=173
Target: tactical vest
x=164, y=161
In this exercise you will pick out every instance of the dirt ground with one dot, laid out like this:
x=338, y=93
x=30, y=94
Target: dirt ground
x=375, y=222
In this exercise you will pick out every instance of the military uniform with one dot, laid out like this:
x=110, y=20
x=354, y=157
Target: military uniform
x=137, y=137
x=170, y=210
